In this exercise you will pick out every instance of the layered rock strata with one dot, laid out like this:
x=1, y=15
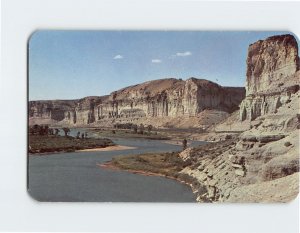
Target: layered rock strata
x=158, y=98
x=70, y=112
x=272, y=75
x=260, y=164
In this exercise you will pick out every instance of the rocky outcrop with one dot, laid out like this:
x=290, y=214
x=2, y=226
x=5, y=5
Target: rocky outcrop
x=260, y=168
x=261, y=164
x=56, y=109
x=271, y=61
x=158, y=98
x=283, y=190
x=169, y=97
x=272, y=76
x=76, y=112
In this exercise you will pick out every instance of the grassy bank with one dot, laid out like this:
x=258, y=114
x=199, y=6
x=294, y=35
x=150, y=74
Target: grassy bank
x=168, y=164
x=52, y=143
x=129, y=134
x=161, y=164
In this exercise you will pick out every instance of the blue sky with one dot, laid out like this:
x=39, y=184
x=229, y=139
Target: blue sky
x=74, y=64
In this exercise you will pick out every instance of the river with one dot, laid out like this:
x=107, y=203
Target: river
x=69, y=177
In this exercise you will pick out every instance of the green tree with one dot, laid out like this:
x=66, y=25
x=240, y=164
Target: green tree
x=56, y=132
x=36, y=129
x=50, y=131
x=135, y=128
x=41, y=130
x=66, y=131
x=46, y=130
x=184, y=144
x=149, y=128
x=142, y=128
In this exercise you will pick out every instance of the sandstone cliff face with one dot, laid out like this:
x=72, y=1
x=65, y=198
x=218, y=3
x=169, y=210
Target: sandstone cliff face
x=272, y=76
x=169, y=97
x=158, y=98
x=55, y=110
x=262, y=163
x=271, y=61
x=74, y=112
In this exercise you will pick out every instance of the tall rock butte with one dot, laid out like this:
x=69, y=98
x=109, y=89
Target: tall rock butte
x=158, y=98
x=272, y=75
x=260, y=164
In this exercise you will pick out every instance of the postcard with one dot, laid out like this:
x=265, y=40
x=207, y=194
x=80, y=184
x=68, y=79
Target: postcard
x=163, y=116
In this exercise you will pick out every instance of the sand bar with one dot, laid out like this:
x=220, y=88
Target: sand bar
x=109, y=148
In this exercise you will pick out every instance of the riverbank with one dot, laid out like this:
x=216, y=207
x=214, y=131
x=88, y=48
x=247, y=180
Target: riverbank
x=166, y=165
x=39, y=144
x=123, y=133
x=161, y=163
x=108, y=148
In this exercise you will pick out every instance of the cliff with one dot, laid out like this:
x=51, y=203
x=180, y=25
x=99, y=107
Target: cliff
x=159, y=98
x=261, y=164
x=271, y=61
x=63, y=111
x=272, y=76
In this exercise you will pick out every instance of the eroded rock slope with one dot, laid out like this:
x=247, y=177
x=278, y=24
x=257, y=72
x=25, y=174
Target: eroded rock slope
x=262, y=163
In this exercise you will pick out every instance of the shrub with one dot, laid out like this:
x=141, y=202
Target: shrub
x=228, y=136
x=287, y=144
x=140, y=159
x=66, y=131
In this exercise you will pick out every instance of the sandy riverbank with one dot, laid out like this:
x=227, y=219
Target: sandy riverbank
x=176, y=142
x=108, y=148
x=110, y=165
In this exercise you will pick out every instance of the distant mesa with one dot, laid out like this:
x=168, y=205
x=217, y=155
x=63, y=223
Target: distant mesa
x=158, y=98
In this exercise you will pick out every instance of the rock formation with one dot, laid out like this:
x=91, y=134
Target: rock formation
x=158, y=98
x=69, y=112
x=260, y=164
x=272, y=76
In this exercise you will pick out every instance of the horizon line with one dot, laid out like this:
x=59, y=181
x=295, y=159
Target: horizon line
x=88, y=96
